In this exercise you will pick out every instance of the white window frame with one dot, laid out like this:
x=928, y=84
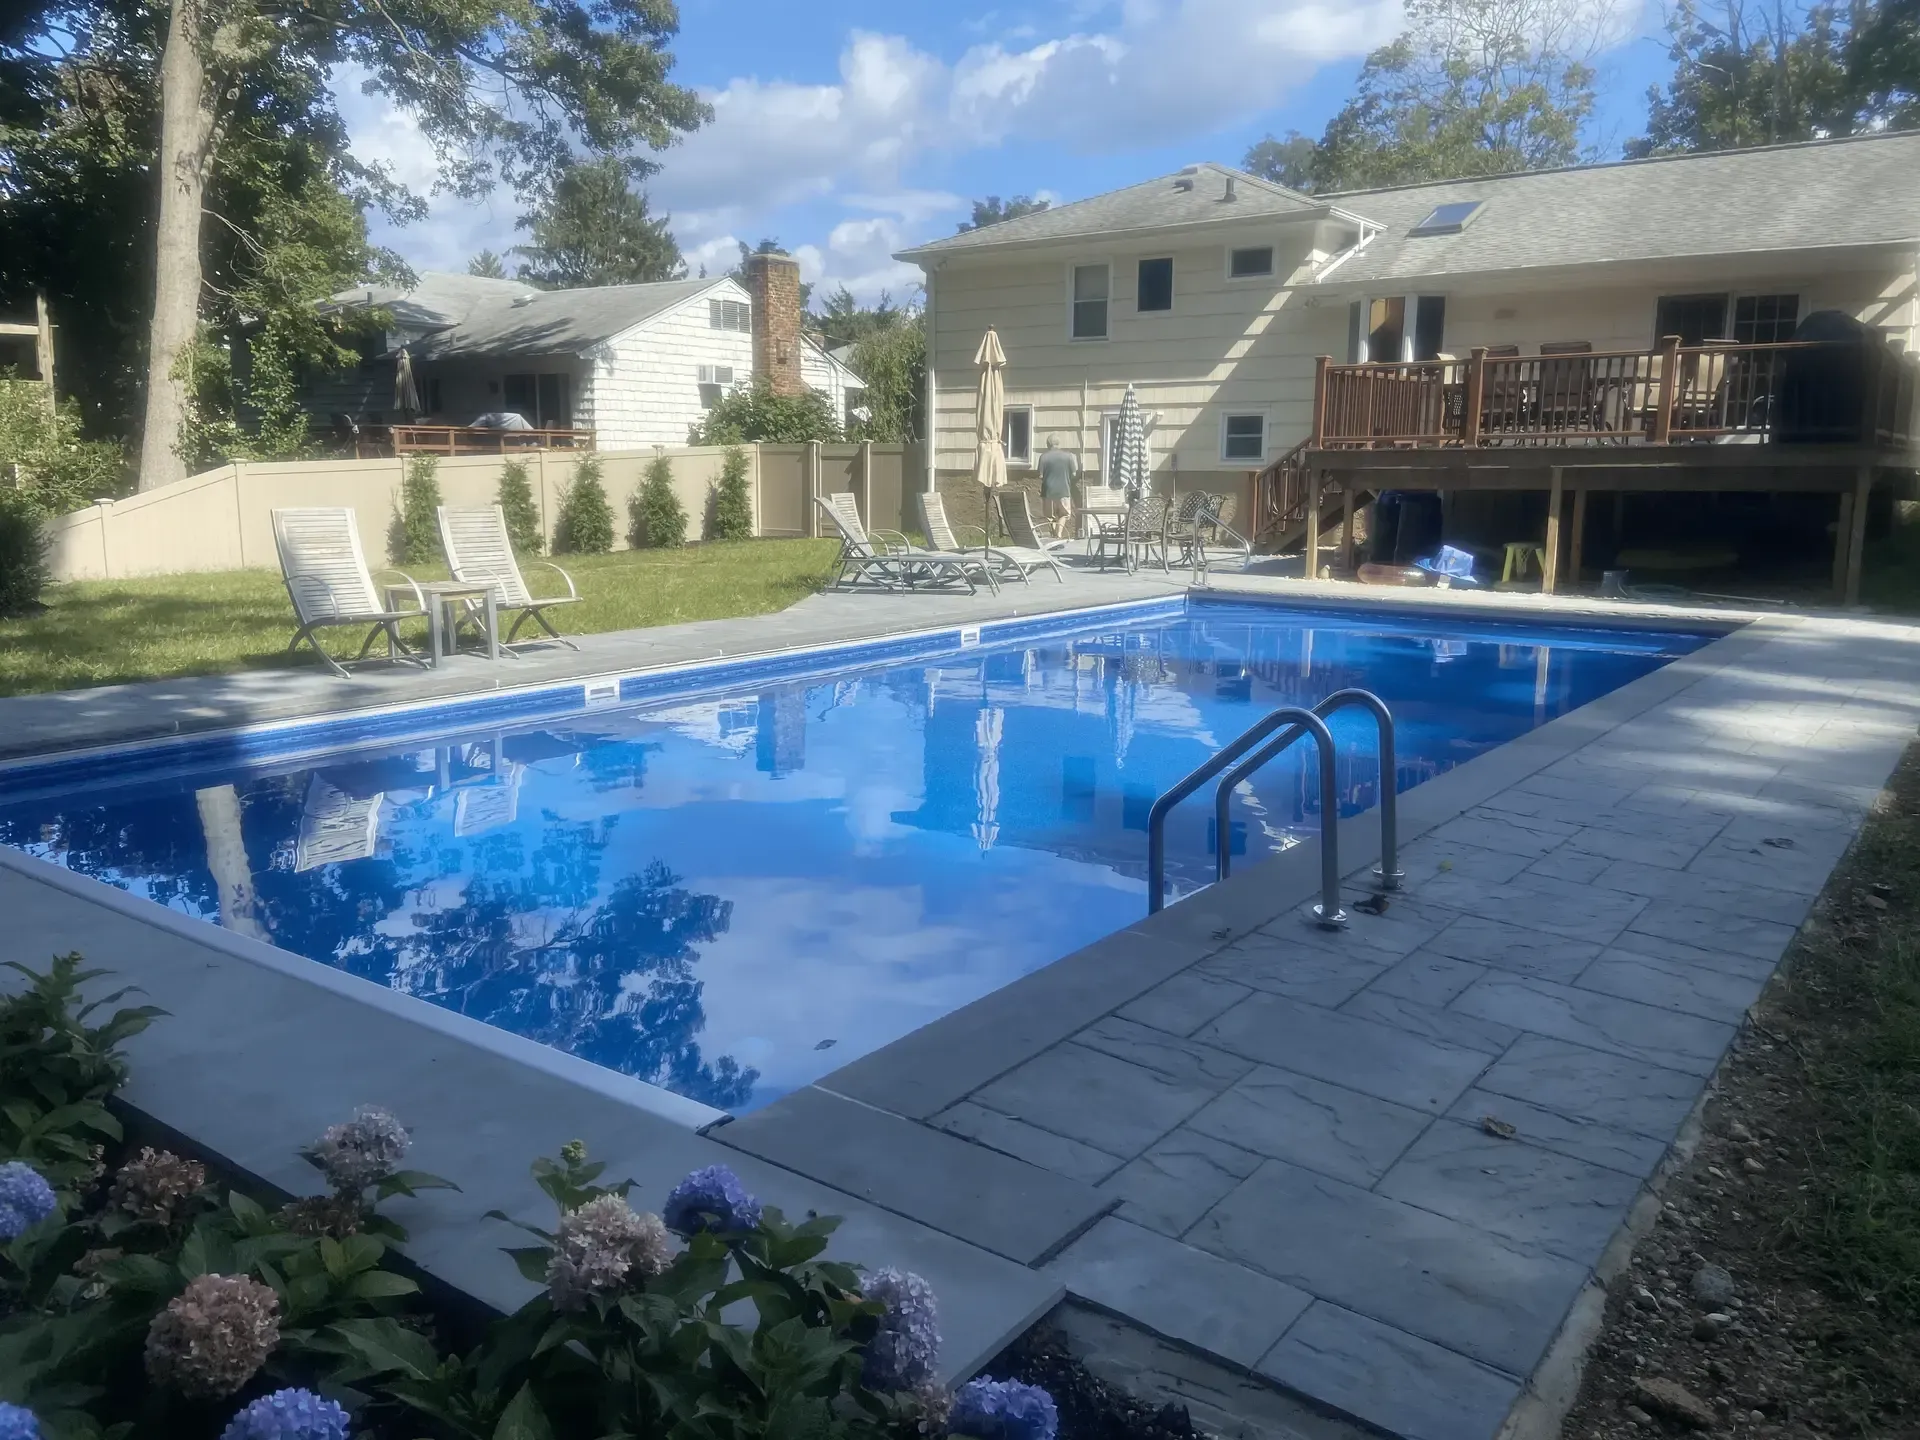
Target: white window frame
x=1409, y=325
x=1271, y=273
x=1013, y=459
x=709, y=375
x=1254, y=460
x=1073, y=270
x=1735, y=297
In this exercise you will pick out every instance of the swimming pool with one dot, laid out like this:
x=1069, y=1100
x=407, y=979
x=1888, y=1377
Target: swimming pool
x=756, y=874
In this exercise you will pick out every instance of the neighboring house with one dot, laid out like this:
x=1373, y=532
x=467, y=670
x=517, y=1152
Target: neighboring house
x=1214, y=291
x=636, y=364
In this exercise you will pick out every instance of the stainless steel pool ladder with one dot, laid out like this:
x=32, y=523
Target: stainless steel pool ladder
x=1299, y=723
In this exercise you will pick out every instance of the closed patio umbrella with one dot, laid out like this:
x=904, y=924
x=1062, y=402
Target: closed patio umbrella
x=406, y=394
x=1131, y=464
x=990, y=403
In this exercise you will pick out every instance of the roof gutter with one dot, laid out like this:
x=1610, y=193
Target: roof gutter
x=1368, y=233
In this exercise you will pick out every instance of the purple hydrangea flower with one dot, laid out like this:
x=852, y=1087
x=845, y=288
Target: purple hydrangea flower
x=711, y=1199
x=903, y=1352
x=18, y=1423
x=288, y=1415
x=1003, y=1410
x=25, y=1198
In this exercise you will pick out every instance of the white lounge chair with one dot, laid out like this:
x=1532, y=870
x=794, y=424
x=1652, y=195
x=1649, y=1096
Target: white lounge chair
x=479, y=553
x=887, y=560
x=335, y=827
x=329, y=584
x=1030, y=550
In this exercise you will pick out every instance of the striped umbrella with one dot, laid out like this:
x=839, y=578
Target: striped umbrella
x=1131, y=463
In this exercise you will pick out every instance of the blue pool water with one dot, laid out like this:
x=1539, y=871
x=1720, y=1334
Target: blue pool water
x=733, y=893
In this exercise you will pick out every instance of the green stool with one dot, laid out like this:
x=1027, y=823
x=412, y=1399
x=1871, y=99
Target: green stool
x=1523, y=555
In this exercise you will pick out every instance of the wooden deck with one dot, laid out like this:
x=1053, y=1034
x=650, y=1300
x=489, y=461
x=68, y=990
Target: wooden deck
x=473, y=440
x=1793, y=417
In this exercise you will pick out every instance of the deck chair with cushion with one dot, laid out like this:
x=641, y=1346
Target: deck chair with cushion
x=329, y=583
x=479, y=553
x=885, y=560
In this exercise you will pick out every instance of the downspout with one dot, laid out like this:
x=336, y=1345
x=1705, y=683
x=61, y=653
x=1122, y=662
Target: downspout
x=1366, y=238
x=931, y=441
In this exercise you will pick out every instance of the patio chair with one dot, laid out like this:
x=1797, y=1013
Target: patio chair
x=479, y=553
x=1030, y=549
x=943, y=535
x=1143, y=531
x=1567, y=398
x=885, y=558
x=328, y=582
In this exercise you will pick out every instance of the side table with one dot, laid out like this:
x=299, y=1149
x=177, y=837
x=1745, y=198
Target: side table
x=443, y=599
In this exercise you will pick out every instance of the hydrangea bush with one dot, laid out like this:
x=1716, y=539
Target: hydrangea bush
x=169, y=1303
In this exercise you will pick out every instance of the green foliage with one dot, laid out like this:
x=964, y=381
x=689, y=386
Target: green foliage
x=488, y=265
x=730, y=516
x=57, y=1068
x=993, y=210
x=23, y=554
x=766, y=247
x=655, y=518
x=585, y=524
x=44, y=459
x=414, y=536
x=1471, y=87
x=1761, y=76
x=893, y=363
x=1287, y=161
x=843, y=320
x=515, y=498
x=593, y=228
x=753, y=412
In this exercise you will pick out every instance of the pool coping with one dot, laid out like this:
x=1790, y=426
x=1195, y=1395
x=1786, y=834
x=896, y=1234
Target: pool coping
x=955, y=1051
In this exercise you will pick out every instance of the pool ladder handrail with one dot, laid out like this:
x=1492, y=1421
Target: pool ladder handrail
x=1302, y=722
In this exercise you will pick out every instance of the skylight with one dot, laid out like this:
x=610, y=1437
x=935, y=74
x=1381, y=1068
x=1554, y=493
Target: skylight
x=1449, y=219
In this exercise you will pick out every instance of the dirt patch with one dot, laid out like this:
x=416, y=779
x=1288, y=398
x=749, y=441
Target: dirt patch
x=1804, y=1192
x=1090, y=1409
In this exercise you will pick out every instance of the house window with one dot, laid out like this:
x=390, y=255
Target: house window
x=1243, y=437
x=1090, y=284
x=729, y=315
x=434, y=406
x=1694, y=318
x=1387, y=329
x=714, y=383
x=1429, y=326
x=1016, y=433
x=542, y=400
x=1765, y=319
x=1246, y=263
x=1156, y=285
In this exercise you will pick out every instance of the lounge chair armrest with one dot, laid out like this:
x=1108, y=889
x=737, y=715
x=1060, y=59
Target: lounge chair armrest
x=895, y=542
x=572, y=592
x=419, y=599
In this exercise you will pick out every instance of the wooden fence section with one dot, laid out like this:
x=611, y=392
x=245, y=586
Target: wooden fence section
x=1793, y=392
x=222, y=519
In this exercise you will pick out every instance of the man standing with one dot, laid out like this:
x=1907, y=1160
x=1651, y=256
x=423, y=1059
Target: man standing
x=1058, y=470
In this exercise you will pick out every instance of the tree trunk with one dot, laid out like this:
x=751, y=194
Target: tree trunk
x=219, y=807
x=186, y=149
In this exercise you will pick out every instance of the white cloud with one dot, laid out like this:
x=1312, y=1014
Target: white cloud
x=859, y=255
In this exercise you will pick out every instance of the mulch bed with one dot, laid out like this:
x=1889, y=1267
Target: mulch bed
x=1805, y=1189
x=1090, y=1409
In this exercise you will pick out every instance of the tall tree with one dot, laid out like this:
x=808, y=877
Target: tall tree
x=1887, y=64
x=502, y=89
x=993, y=210
x=488, y=266
x=1471, y=87
x=1287, y=161
x=594, y=229
x=843, y=320
x=1753, y=74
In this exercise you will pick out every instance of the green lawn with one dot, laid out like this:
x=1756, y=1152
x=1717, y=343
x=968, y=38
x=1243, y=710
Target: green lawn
x=101, y=632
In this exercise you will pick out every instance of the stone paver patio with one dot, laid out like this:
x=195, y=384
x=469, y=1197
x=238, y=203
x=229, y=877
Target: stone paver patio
x=1286, y=1148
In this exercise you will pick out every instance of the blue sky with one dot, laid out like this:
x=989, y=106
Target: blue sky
x=850, y=129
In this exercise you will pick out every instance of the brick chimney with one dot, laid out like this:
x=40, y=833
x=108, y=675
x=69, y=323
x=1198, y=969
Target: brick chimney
x=774, y=283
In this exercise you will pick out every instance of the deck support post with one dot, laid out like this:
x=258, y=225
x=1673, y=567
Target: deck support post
x=1550, y=568
x=1850, y=537
x=1348, y=510
x=1312, y=564
x=1577, y=544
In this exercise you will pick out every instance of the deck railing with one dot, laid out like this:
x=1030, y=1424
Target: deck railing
x=473, y=440
x=1789, y=391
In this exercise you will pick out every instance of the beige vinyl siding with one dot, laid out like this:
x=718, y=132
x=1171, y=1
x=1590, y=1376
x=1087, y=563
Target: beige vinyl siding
x=1239, y=347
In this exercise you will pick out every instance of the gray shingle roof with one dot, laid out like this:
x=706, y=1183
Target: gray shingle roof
x=1859, y=191
x=1150, y=205
x=470, y=315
